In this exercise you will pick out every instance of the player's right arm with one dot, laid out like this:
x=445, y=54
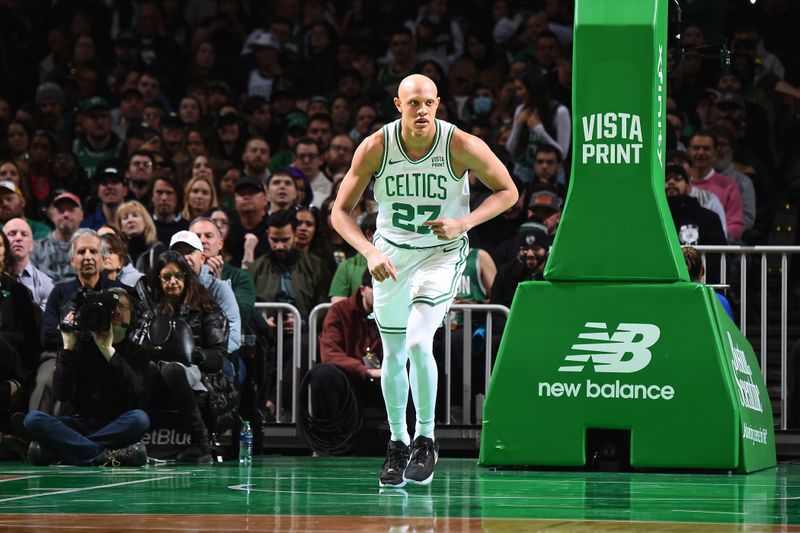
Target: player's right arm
x=366, y=162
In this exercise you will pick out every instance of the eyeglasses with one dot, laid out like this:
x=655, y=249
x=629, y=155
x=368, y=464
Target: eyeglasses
x=179, y=276
x=339, y=148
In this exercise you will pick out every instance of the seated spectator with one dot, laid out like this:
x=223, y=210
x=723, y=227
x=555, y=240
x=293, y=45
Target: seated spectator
x=284, y=274
x=112, y=188
x=177, y=292
x=707, y=199
x=694, y=263
x=19, y=343
x=188, y=244
x=117, y=265
x=256, y=159
x=100, y=378
x=167, y=201
x=139, y=174
x=347, y=277
x=308, y=158
x=703, y=149
x=241, y=281
x=534, y=247
x=312, y=236
x=247, y=237
x=726, y=166
x=281, y=191
x=135, y=223
x=12, y=205
x=351, y=356
x=21, y=244
x=52, y=254
x=695, y=224
x=200, y=196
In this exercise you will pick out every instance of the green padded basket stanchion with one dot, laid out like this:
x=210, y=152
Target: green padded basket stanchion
x=617, y=337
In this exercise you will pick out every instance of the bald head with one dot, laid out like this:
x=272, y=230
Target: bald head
x=417, y=100
x=416, y=83
x=20, y=238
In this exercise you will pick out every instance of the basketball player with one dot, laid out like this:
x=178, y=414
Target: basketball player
x=418, y=252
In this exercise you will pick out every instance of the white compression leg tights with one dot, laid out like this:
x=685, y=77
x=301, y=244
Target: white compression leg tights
x=422, y=325
x=417, y=344
x=394, y=384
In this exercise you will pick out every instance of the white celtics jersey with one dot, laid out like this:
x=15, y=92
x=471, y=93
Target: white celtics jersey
x=412, y=192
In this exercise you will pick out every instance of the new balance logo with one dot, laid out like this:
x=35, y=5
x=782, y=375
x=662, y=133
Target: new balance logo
x=624, y=352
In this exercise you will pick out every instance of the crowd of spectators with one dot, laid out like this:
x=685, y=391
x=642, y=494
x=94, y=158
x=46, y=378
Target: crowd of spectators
x=206, y=139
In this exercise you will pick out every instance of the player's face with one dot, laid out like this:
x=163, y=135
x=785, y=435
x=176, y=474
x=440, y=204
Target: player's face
x=417, y=101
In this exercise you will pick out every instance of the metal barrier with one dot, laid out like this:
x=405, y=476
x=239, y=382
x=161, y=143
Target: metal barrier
x=468, y=309
x=745, y=253
x=263, y=308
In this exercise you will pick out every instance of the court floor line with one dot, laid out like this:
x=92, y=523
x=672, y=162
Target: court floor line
x=83, y=489
x=18, y=478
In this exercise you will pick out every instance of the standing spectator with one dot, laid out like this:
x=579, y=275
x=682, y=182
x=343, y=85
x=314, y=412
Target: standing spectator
x=135, y=223
x=52, y=254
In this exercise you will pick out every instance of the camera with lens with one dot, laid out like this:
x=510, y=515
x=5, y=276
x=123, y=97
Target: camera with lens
x=92, y=310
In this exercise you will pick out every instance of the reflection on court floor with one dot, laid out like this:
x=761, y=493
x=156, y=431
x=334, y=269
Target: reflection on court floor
x=341, y=494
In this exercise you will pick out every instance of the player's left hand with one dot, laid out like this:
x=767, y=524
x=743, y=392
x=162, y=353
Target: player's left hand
x=446, y=229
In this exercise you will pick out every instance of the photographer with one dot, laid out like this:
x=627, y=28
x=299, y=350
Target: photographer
x=98, y=379
x=88, y=253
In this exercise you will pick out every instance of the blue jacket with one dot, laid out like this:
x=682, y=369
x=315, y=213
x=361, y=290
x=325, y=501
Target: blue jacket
x=222, y=294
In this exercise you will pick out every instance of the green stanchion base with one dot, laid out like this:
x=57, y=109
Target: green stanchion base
x=661, y=360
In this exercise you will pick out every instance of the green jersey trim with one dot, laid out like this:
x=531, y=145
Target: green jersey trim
x=451, y=293
x=399, y=143
x=409, y=247
x=447, y=151
x=385, y=155
x=389, y=329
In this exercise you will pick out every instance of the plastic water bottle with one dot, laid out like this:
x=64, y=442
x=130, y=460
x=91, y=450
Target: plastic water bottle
x=246, y=444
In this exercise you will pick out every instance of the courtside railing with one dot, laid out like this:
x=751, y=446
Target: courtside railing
x=744, y=261
x=280, y=310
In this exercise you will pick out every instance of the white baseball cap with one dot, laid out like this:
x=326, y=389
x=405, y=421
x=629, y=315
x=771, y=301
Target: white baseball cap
x=186, y=237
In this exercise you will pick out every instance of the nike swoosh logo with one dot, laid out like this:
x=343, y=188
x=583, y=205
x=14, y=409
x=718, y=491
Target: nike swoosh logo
x=445, y=250
x=395, y=162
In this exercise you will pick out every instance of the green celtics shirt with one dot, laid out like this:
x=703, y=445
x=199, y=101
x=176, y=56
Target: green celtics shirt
x=412, y=192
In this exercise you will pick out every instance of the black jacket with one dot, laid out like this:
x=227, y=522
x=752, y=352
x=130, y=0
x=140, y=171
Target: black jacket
x=508, y=277
x=210, y=330
x=695, y=224
x=18, y=331
x=63, y=293
x=90, y=386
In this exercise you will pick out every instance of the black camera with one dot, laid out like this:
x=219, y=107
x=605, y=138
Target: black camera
x=92, y=310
